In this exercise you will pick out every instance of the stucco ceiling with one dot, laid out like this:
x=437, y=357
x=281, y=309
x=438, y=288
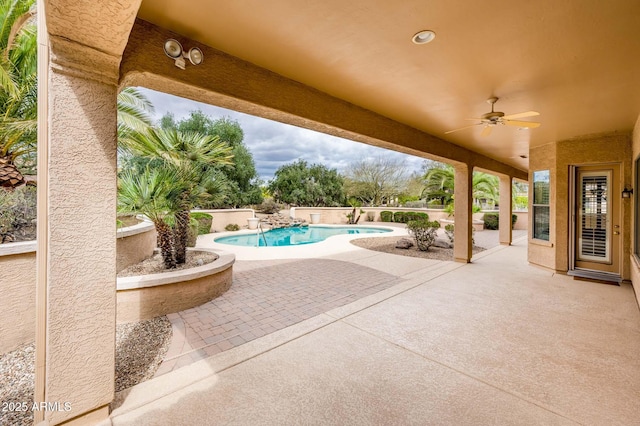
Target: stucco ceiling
x=576, y=62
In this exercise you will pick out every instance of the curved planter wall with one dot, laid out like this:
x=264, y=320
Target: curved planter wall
x=135, y=243
x=18, y=282
x=149, y=296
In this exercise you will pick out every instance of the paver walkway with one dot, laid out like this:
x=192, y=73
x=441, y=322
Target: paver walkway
x=267, y=296
x=270, y=295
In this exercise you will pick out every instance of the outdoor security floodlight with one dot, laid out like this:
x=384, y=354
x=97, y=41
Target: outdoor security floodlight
x=195, y=56
x=174, y=50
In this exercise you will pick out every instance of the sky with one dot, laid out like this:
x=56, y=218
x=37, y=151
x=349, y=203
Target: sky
x=274, y=144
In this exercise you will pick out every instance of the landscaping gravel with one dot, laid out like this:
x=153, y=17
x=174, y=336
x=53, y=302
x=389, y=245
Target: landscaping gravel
x=155, y=265
x=140, y=348
x=17, y=369
x=388, y=245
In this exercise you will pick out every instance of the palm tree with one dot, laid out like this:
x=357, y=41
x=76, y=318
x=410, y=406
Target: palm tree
x=485, y=187
x=19, y=98
x=191, y=157
x=134, y=111
x=439, y=184
x=18, y=90
x=149, y=193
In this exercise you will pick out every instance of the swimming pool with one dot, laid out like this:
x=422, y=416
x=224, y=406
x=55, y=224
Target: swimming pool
x=295, y=236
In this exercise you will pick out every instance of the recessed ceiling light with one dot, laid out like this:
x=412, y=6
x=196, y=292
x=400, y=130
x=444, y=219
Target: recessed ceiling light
x=423, y=37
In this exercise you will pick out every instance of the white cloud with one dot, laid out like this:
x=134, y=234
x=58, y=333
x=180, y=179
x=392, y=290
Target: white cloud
x=275, y=144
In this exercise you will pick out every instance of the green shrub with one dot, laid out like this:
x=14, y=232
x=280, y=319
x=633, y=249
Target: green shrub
x=203, y=221
x=386, y=216
x=405, y=217
x=232, y=227
x=450, y=233
x=424, y=232
x=449, y=209
x=269, y=206
x=409, y=216
x=448, y=230
x=492, y=220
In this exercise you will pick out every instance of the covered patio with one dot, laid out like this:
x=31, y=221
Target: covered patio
x=449, y=344
x=520, y=344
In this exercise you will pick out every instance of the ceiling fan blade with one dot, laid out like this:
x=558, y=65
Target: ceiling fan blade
x=521, y=115
x=527, y=124
x=461, y=128
x=486, y=131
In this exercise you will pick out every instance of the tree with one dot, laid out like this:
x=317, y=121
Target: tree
x=242, y=183
x=413, y=188
x=18, y=90
x=485, y=189
x=191, y=158
x=149, y=193
x=440, y=179
x=303, y=185
x=438, y=184
x=134, y=111
x=374, y=181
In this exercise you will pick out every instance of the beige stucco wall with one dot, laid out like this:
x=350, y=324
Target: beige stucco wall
x=557, y=158
x=149, y=296
x=17, y=316
x=134, y=244
x=523, y=220
x=543, y=253
x=338, y=215
x=634, y=263
x=18, y=272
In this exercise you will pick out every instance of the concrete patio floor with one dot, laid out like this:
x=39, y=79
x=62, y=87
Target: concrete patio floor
x=271, y=292
x=493, y=342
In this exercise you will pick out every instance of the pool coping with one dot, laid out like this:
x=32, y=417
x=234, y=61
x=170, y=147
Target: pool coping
x=331, y=246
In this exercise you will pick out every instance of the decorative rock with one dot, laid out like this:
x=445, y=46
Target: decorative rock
x=404, y=243
x=278, y=220
x=439, y=242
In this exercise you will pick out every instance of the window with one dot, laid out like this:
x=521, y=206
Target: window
x=637, y=209
x=541, y=205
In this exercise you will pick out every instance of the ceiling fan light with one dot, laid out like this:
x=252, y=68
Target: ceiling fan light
x=423, y=37
x=173, y=48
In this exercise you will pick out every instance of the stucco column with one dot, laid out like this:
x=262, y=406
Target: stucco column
x=463, y=225
x=506, y=210
x=77, y=233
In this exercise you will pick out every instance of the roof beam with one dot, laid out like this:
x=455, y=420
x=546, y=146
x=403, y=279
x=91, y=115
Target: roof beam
x=235, y=84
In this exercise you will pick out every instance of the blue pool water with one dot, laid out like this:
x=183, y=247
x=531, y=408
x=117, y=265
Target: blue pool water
x=295, y=236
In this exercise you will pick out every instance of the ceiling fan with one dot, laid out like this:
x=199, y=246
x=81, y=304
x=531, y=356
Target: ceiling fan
x=490, y=119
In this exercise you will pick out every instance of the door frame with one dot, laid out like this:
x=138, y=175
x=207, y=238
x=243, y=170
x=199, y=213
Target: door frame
x=616, y=208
